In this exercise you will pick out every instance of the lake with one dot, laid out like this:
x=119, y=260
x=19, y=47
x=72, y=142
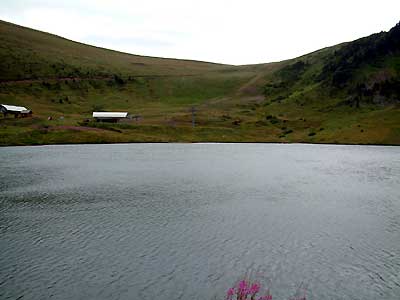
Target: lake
x=186, y=221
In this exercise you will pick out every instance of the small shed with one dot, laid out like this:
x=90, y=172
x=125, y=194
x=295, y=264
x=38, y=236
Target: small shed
x=113, y=117
x=17, y=111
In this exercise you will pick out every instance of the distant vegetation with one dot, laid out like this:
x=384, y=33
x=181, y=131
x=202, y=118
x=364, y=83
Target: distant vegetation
x=348, y=93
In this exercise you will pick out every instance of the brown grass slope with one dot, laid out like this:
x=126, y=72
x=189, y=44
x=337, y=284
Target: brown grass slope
x=30, y=54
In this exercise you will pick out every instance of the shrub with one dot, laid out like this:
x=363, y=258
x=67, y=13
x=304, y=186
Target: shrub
x=119, y=80
x=288, y=131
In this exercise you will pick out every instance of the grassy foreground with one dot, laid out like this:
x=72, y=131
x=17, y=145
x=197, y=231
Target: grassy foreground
x=300, y=100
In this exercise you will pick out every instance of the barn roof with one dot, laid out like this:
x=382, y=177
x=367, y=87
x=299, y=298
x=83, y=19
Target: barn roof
x=104, y=114
x=21, y=109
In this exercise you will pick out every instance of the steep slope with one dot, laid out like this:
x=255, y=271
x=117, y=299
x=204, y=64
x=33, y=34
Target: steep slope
x=367, y=68
x=348, y=93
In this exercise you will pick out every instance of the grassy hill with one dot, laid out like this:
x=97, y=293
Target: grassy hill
x=347, y=93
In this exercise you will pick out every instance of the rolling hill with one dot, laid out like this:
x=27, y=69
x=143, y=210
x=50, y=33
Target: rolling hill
x=348, y=93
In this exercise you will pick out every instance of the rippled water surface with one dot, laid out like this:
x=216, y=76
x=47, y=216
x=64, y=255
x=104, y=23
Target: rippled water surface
x=185, y=221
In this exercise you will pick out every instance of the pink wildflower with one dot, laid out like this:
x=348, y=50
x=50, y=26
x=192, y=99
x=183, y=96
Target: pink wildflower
x=230, y=293
x=242, y=285
x=242, y=289
x=254, y=289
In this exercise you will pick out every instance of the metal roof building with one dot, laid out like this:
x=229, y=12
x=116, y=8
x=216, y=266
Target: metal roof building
x=110, y=116
x=15, y=110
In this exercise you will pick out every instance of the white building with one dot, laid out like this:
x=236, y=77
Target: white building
x=103, y=116
x=15, y=110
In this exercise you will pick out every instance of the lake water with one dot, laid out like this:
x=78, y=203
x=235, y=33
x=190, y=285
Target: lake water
x=185, y=221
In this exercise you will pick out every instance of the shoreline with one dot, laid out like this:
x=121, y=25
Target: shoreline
x=210, y=142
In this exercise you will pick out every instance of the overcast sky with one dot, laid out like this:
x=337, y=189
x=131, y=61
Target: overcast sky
x=232, y=32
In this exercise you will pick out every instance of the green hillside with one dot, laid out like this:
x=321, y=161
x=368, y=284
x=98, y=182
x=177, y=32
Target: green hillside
x=347, y=93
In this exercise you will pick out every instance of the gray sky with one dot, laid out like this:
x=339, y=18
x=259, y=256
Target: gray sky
x=232, y=32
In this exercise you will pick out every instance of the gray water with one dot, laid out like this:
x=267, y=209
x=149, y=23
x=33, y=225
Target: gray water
x=185, y=221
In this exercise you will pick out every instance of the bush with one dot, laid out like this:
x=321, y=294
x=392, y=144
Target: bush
x=288, y=131
x=119, y=80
